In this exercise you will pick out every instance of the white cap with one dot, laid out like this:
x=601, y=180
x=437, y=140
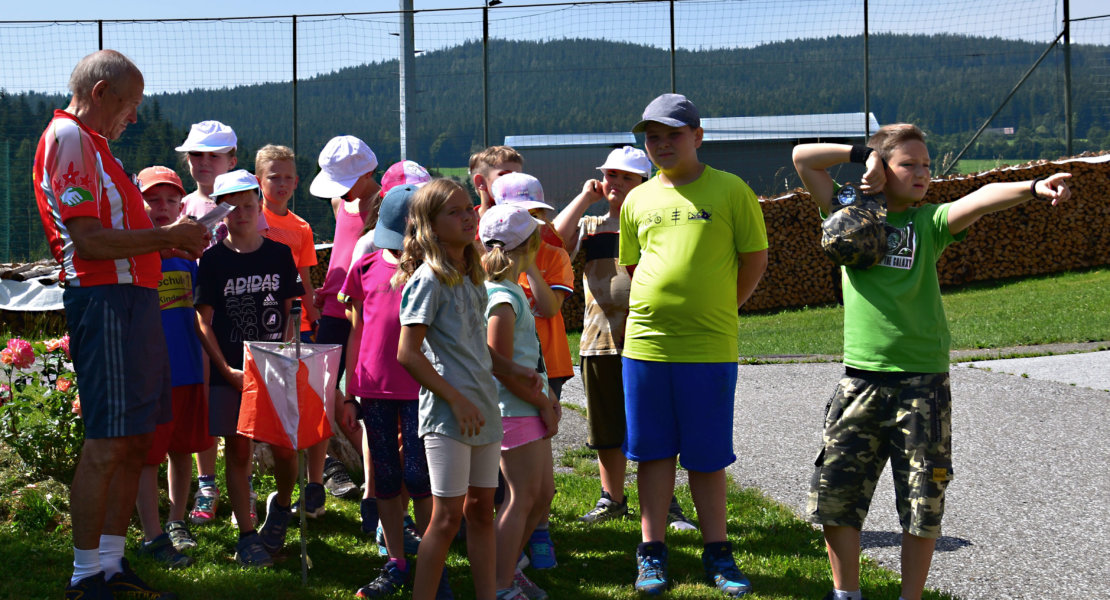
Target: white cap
x=519, y=189
x=506, y=225
x=209, y=136
x=239, y=180
x=343, y=160
x=628, y=159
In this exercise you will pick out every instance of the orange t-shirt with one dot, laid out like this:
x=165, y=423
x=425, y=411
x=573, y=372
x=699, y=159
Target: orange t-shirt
x=554, y=265
x=295, y=232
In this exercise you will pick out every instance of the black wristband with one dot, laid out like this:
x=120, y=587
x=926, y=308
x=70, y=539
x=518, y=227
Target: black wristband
x=1033, y=188
x=859, y=153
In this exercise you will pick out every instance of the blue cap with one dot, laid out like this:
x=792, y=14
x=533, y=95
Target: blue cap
x=673, y=110
x=393, y=217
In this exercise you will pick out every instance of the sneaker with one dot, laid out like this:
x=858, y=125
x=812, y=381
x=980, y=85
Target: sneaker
x=388, y=582
x=513, y=593
x=542, y=550
x=126, y=584
x=249, y=552
x=723, y=574
x=314, y=498
x=531, y=590
x=412, y=540
x=92, y=587
x=180, y=536
x=254, y=512
x=205, y=503
x=412, y=536
x=162, y=550
x=677, y=519
x=277, y=522
x=443, y=592
x=336, y=480
x=605, y=509
x=652, y=576
x=832, y=596
x=368, y=511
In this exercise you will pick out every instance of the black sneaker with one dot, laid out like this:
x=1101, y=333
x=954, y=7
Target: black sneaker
x=162, y=550
x=274, y=528
x=314, y=499
x=92, y=587
x=389, y=582
x=337, y=481
x=126, y=584
x=677, y=520
x=605, y=510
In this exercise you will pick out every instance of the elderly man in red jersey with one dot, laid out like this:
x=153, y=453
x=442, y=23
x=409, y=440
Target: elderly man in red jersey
x=97, y=229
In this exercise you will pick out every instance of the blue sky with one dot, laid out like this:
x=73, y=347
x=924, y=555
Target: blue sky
x=180, y=56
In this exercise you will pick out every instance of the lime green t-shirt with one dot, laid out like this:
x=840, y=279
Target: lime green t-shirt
x=684, y=242
x=893, y=316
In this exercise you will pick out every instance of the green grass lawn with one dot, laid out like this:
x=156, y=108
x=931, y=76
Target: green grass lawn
x=783, y=556
x=977, y=165
x=1066, y=307
x=460, y=172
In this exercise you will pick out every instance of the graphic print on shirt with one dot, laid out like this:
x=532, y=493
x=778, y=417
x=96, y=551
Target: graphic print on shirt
x=674, y=216
x=901, y=246
x=175, y=290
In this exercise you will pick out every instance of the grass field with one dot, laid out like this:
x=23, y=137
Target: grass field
x=460, y=172
x=978, y=165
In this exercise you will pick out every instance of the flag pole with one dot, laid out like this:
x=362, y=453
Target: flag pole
x=302, y=462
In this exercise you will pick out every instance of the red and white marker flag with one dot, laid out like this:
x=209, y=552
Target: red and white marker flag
x=287, y=400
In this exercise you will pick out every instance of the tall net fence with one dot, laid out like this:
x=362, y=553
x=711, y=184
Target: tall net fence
x=565, y=82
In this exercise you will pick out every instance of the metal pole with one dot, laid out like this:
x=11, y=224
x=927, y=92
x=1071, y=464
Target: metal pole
x=485, y=75
x=100, y=35
x=1069, y=122
x=8, y=201
x=673, y=85
x=293, y=200
x=866, y=74
x=982, y=127
x=408, y=65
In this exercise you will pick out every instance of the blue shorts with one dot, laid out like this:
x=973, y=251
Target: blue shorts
x=120, y=357
x=224, y=402
x=679, y=409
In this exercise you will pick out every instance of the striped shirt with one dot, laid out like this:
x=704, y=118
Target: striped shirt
x=76, y=175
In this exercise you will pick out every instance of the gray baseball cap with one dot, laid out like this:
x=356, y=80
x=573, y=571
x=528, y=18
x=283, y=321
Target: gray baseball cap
x=673, y=110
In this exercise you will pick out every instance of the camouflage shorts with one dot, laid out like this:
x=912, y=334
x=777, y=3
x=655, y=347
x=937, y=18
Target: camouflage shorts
x=870, y=418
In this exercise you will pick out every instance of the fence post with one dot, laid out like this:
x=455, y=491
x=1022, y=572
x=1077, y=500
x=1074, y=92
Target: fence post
x=1068, y=122
x=673, y=85
x=8, y=201
x=99, y=34
x=407, y=64
x=485, y=75
x=296, y=150
x=866, y=74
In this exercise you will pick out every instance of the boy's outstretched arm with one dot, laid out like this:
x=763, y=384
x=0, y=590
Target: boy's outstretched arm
x=995, y=197
x=811, y=161
x=752, y=266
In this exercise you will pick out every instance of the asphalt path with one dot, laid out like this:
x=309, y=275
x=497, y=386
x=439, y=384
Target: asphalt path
x=1027, y=511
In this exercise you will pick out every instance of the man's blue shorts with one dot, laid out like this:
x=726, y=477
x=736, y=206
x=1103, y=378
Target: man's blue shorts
x=120, y=357
x=682, y=409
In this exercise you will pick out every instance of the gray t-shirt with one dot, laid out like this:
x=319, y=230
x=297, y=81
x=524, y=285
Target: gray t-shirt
x=455, y=344
x=526, y=343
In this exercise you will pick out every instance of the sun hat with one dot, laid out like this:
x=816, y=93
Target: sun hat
x=152, y=176
x=507, y=226
x=628, y=159
x=393, y=217
x=519, y=189
x=855, y=234
x=404, y=172
x=673, y=110
x=239, y=180
x=209, y=136
x=343, y=160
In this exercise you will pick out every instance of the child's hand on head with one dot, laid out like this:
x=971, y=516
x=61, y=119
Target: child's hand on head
x=874, y=178
x=469, y=417
x=594, y=190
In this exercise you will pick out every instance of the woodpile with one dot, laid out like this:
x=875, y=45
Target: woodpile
x=33, y=323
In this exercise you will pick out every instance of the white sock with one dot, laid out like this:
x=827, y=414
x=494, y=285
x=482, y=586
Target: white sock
x=842, y=595
x=85, y=563
x=111, y=553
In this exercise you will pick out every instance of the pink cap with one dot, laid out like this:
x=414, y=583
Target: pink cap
x=402, y=173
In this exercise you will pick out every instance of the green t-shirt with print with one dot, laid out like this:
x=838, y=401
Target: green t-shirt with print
x=893, y=315
x=684, y=242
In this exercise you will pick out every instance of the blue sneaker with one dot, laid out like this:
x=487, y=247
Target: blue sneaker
x=412, y=541
x=314, y=498
x=651, y=561
x=542, y=550
x=723, y=574
x=389, y=582
x=368, y=511
x=276, y=523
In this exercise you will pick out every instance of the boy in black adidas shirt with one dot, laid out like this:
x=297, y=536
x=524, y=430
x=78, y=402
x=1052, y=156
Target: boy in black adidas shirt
x=245, y=287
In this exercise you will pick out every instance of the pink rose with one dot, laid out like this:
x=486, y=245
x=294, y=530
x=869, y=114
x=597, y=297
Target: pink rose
x=76, y=409
x=64, y=384
x=19, y=353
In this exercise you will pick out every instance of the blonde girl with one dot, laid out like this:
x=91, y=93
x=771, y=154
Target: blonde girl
x=512, y=238
x=442, y=304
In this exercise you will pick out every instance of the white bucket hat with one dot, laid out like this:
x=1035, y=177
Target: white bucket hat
x=343, y=160
x=628, y=159
x=209, y=136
